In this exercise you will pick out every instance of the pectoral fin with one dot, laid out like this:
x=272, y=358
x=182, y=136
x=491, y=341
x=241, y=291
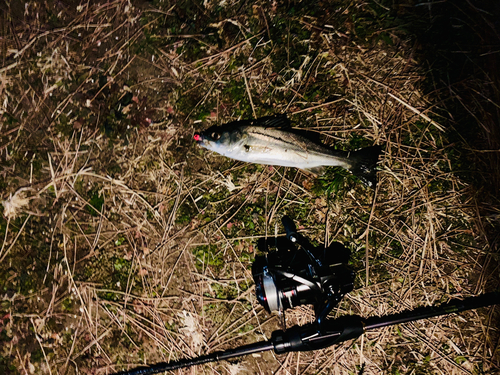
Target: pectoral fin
x=316, y=170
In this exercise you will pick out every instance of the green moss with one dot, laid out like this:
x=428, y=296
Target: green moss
x=439, y=186
x=121, y=264
x=113, y=168
x=246, y=328
x=208, y=255
x=224, y=292
x=396, y=249
x=120, y=241
x=63, y=125
x=184, y=213
x=246, y=257
x=67, y=304
x=216, y=312
x=96, y=202
x=37, y=355
x=4, y=337
x=7, y=367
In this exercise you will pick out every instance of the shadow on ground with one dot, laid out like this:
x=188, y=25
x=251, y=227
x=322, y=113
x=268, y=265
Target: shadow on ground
x=458, y=42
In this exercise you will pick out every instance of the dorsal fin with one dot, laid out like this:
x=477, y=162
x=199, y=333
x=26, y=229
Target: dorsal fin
x=276, y=121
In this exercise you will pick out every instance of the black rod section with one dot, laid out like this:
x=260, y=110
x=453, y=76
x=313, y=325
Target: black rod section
x=312, y=336
x=187, y=362
x=454, y=306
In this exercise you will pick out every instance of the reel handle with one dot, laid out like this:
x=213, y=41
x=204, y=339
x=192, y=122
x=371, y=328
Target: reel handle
x=290, y=229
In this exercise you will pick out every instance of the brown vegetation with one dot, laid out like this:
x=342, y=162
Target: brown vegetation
x=124, y=244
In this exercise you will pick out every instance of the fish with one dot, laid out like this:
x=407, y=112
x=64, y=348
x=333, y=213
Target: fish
x=271, y=140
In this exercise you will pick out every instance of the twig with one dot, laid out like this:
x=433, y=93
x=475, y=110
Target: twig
x=317, y=106
x=249, y=93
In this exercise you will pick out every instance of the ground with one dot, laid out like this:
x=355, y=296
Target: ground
x=123, y=243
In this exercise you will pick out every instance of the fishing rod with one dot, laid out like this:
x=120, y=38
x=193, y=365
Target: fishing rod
x=296, y=273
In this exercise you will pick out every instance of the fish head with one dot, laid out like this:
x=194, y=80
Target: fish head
x=220, y=139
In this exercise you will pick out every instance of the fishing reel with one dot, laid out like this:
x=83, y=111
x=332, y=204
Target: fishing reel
x=296, y=273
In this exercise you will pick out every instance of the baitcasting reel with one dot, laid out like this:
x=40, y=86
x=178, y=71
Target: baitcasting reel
x=296, y=273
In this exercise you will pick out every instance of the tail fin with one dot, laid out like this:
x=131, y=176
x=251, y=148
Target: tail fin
x=365, y=163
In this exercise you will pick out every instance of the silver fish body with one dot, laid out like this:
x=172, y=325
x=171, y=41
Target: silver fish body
x=271, y=141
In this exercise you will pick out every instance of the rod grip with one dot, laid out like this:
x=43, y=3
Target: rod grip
x=313, y=336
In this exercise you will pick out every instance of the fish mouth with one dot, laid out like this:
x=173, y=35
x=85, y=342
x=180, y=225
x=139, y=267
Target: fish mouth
x=198, y=137
x=201, y=140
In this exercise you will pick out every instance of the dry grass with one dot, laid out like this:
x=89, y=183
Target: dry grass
x=123, y=244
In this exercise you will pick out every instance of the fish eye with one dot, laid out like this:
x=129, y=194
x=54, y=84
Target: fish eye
x=215, y=136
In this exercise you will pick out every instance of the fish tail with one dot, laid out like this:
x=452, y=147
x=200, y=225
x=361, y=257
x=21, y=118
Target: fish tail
x=365, y=163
